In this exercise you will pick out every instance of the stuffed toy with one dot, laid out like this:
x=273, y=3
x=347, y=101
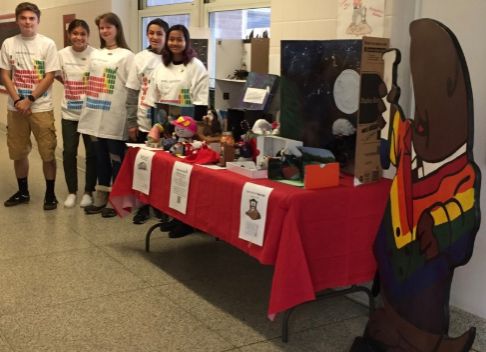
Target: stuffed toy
x=185, y=129
x=263, y=163
x=262, y=127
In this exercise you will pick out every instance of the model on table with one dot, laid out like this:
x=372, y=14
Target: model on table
x=104, y=115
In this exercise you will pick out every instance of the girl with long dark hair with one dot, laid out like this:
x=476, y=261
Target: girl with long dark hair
x=181, y=79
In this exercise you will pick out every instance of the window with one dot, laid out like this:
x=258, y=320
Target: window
x=171, y=21
x=237, y=24
x=166, y=2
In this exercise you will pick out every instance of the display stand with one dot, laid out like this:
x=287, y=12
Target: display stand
x=232, y=55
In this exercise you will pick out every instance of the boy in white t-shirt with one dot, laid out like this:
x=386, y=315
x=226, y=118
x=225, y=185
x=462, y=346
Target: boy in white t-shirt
x=28, y=64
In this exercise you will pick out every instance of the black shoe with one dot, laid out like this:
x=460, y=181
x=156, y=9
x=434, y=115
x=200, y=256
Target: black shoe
x=108, y=212
x=93, y=209
x=169, y=225
x=50, y=202
x=181, y=230
x=142, y=215
x=17, y=198
x=161, y=217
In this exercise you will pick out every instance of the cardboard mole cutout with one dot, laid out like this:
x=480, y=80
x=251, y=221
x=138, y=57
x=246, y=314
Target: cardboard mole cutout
x=432, y=215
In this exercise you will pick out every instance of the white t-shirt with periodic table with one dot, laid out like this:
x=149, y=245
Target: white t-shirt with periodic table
x=75, y=74
x=104, y=113
x=179, y=84
x=29, y=59
x=144, y=64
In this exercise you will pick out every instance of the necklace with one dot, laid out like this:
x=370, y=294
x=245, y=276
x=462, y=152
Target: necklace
x=111, y=46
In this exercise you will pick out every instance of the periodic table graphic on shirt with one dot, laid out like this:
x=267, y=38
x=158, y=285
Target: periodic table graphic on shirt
x=145, y=86
x=100, y=85
x=75, y=90
x=183, y=98
x=27, y=80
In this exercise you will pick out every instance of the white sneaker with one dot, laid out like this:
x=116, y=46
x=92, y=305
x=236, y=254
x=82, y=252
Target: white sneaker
x=70, y=201
x=86, y=201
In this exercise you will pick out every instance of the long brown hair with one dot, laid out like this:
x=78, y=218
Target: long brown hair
x=188, y=52
x=113, y=19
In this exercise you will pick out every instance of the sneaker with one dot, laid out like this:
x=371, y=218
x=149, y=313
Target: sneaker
x=181, y=230
x=50, y=202
x=17, y=198
x=161, y=217
x=99, y=203
x=142, y=215
x=86, y=201
x=169, y=225
x=70, y=201
x=108, y=213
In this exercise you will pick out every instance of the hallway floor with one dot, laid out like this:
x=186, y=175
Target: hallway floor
x=76, y=282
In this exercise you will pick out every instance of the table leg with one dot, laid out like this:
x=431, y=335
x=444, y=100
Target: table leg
x=147, y=236
x=352, y=289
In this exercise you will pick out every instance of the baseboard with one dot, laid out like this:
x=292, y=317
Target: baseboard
x=460, y=320
x=58, y=153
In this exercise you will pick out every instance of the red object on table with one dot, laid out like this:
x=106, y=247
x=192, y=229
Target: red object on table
x=316, y=239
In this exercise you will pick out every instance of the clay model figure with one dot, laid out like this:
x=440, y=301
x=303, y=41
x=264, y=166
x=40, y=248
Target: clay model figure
x=211, y=124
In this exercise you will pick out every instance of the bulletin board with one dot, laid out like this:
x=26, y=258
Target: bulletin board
x=8, y=28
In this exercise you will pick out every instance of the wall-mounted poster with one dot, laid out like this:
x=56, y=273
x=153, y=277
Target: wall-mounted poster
x=357, y=18
x=8, y=28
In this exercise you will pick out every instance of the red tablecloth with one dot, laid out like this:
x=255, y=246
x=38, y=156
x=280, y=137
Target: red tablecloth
x=316, y=239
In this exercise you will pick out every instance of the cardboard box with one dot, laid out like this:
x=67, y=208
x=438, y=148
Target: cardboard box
x=367, y=166
x=246, y=168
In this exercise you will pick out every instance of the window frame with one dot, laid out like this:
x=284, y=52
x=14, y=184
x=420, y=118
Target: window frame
x=198, y=11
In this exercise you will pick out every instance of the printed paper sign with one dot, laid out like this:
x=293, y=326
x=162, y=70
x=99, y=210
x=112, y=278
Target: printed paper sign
x=142, y=171
x=253, y=212
x=357, y=18
x=255, y=95
x=179, y=187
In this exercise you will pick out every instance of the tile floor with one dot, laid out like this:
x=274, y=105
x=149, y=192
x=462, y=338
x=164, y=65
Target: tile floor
x=73, y=282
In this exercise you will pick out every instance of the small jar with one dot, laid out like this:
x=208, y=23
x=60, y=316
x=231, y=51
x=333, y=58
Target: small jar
x=227, y=153
x=227, y=139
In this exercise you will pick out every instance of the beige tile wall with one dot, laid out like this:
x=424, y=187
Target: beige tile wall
x=317, y=20
x=51, y=26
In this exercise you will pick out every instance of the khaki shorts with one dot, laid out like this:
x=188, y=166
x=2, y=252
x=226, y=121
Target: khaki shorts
x=19, y=127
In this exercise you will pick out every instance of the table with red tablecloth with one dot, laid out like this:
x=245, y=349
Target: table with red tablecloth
x=316, y=239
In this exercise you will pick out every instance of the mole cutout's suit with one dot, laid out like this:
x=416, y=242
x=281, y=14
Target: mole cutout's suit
x=432, y=215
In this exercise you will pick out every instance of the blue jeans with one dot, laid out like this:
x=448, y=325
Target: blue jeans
x=109, y=157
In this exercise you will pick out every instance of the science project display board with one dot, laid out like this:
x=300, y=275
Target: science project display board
x=330, y=80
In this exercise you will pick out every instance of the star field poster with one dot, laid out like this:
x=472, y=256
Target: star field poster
x=330, y=80
x=319, y=84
